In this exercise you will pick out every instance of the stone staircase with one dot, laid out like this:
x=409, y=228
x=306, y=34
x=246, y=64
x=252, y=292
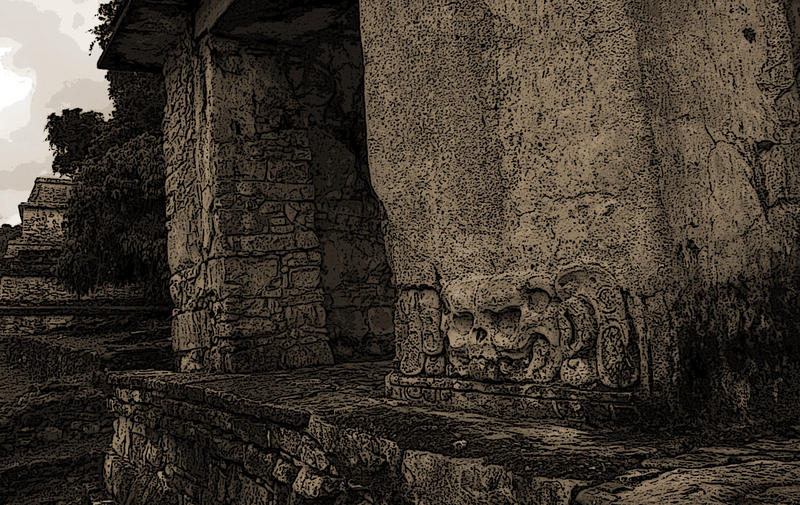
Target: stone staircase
x=54, y=423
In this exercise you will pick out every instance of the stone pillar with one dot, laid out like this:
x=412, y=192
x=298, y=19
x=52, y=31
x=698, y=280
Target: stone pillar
x=242, y=246
x=582, y=204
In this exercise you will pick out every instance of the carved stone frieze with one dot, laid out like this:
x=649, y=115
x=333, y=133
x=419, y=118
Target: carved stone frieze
x=520, y=327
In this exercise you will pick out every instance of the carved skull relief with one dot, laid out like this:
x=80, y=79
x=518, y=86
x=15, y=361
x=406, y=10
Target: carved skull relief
x=522, y=328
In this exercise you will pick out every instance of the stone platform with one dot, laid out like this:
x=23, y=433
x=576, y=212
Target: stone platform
x=52, y=436
x=329, y=435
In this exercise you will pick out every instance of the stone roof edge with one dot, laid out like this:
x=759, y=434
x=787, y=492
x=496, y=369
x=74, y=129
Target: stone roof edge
x=101, y=61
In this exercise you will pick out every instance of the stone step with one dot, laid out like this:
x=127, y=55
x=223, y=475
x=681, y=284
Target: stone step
x=144, y=345
x=67, y=473
x=52, y=437
x=49, y=413
x=54, y=422
x=87, y=317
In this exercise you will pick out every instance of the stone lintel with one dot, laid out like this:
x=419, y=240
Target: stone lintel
x=277, y=20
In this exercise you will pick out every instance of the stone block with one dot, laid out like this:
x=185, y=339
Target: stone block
x=253, y=276
x=253, y=493
x=191, y=330
x=304, y=278
x=305, y=315
x=266, y=243
x=276, y=191
x=312, y=485
x=285, y=171
x=259, y=463
x=285, y=472
x=305, y=355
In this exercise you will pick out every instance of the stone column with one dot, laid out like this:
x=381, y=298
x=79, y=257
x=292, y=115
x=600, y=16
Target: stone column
x=243, y=249
x=549, y=187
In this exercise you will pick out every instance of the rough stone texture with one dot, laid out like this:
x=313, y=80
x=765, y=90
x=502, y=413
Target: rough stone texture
x=274, y=233
x=655, y=141
x=8, y=233
x=42, y=215
x=136, y=340
x=212, y=439
x=36, y=320
x=521, y=400
x=37, y=290
x=758, y=473
x=325, y=435
x=54, y=423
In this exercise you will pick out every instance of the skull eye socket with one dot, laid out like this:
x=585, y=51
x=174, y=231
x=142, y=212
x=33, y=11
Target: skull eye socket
x=463, y=322
x=538, y=300
x=507, y=321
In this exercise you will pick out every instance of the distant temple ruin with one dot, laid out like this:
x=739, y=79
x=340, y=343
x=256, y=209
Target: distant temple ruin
x=32, y=299
x=583, y=211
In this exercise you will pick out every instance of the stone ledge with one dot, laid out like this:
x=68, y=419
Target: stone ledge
x=83, y=307
x=61, y=354
x=332, y=428
x=143, y=32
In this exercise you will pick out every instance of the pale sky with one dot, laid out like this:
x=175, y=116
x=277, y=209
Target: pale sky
x=45, y=66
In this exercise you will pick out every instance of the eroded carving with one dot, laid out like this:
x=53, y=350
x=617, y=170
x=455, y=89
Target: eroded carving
x=520, y=327
x=417, y=332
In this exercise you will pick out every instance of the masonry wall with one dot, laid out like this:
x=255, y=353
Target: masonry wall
x=168, y=450
x=326, y=76
x=47, y=290
x=7, y=234
x=42, y=224
x=273, y=231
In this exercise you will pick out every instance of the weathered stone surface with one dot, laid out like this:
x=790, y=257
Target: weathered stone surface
x=752, y=482
x=270, y=202
x=507, y=138
x=515, y=400
x=327, y=434
x=54, y=423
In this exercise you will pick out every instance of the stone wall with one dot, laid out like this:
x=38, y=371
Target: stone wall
x=8, y=233
x=326, y=77
x=42, y=224
x=42, y=215
x=273, y=231
x=513, y=145
x=168, y=448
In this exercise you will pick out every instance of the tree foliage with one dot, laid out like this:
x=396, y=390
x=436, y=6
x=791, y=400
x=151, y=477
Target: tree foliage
x=106, y=14
x=72, y=136
x=115, y=225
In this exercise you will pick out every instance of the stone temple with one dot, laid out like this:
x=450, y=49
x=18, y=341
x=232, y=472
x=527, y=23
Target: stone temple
x=543, y=212
x=32, y=300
